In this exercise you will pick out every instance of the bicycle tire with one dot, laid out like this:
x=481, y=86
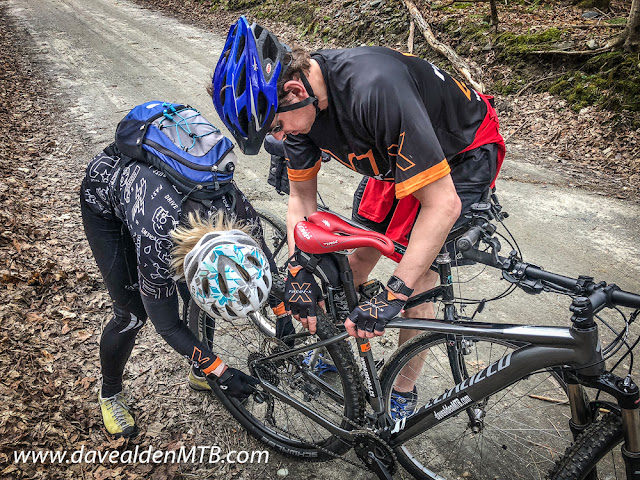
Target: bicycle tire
x=595, y=448
x=275, y=236
x=505, y=446
x=321, y=444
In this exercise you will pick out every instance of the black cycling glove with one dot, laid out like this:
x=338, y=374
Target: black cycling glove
x=235, y=383
x=377, y=312
x=301, y=292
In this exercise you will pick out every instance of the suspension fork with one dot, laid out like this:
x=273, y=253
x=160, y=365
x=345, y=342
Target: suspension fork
x=627, y=394
x=581, y=415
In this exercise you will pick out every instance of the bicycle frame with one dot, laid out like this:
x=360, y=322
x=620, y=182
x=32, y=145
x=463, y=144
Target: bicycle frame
x=574, y=348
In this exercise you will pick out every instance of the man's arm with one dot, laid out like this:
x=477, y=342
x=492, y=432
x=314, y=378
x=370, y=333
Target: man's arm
x=439, y=209
x=301, y=290
x=302, y=203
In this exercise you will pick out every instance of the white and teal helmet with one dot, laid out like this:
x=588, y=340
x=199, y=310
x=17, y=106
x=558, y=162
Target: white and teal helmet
x=228, y=274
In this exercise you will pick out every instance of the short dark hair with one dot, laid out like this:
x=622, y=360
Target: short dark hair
x=300, y=63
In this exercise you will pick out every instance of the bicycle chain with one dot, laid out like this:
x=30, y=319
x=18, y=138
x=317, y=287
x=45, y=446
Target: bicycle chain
x=358, y=430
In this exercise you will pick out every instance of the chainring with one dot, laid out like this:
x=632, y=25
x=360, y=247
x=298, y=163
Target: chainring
x=365, y=442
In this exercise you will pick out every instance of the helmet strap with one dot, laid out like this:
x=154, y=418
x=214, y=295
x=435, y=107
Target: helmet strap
x=307, y=101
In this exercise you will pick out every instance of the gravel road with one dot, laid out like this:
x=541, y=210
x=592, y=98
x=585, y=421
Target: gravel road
x=106, y=56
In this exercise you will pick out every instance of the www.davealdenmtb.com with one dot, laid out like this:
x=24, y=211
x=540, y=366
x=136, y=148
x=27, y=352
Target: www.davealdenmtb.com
x=491, y=400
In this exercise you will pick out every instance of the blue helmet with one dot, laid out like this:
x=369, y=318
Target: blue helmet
x=245, y=91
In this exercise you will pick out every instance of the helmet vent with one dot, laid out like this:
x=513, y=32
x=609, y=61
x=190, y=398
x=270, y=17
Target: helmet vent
x=243, y=119
x=254, y=261
x=241, y=86
x=263, y=108
x=222, y=282
x=206, y=290
x=243, y=298
x=240, y=49
x=270, y=48
x=243, y=273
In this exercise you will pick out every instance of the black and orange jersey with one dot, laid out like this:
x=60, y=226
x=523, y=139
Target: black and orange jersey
x=391, y=116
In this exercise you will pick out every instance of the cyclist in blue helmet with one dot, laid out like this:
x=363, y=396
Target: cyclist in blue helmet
x=428, y=144
x=245, y=82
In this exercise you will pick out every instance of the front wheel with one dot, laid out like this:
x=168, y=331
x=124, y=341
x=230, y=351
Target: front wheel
x=594, y=454
x=517, y=433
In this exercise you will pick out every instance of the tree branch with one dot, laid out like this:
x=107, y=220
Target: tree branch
x=462, y=67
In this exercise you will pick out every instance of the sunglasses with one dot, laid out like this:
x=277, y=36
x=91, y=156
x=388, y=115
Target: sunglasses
x=277, y=128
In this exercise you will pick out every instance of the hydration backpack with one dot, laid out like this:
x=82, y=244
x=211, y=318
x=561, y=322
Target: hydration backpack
x=180, y=142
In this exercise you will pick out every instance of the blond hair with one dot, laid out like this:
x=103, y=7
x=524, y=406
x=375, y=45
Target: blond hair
x=185, y=237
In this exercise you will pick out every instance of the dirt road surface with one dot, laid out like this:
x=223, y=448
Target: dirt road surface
x=106, y=56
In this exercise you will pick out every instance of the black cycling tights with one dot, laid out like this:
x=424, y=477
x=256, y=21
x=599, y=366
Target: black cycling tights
x=115, y=255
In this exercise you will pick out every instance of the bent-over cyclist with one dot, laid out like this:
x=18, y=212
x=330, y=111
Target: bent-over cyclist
x=142, y=230
x=429, y=143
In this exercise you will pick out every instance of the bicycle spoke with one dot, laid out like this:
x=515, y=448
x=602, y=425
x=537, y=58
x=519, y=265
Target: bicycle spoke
x=509, y=435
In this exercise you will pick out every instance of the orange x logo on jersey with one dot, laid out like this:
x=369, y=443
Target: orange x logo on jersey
x=302, y=292
x=373, y=306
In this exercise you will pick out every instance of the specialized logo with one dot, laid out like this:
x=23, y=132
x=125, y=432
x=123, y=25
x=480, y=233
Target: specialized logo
x=301, y=292
x=268, y=68
x=457, y=404
x=492, y=369
x=371, y=308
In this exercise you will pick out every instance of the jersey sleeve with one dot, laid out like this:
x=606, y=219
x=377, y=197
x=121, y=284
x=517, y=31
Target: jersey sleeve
x=303, y=158
x=396, y=116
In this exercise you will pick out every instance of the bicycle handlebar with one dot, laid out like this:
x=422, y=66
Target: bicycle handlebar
x=468, y=240
x=521, y=271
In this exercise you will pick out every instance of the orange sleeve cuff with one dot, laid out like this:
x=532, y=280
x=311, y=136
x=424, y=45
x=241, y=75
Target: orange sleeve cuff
x=306, y=174
x=216, y=367
x=421, y=179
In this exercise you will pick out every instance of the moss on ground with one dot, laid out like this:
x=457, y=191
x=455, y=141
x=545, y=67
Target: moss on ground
x=610, y=80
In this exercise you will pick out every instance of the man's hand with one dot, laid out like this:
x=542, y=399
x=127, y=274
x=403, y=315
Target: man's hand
x=235, y=383
x=371, y=317
x=301, y=294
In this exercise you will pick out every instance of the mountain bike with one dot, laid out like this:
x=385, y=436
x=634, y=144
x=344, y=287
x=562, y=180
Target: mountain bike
x=493, y=400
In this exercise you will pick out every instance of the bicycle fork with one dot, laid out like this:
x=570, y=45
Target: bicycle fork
x=627, y=394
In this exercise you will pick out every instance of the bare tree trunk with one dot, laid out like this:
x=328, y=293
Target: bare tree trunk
x=458, y=63
x=412, y=26
x=494, y=14
x=631, y=35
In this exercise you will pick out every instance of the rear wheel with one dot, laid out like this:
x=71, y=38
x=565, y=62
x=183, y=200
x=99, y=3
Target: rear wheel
x=275, y=236
x=334, y=395
x=520, y=432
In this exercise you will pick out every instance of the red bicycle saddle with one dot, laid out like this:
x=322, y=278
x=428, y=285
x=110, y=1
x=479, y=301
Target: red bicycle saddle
x=324, y=232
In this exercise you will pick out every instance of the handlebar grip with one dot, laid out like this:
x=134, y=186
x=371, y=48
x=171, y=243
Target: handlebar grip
x=469, y=239
x=625, y=299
